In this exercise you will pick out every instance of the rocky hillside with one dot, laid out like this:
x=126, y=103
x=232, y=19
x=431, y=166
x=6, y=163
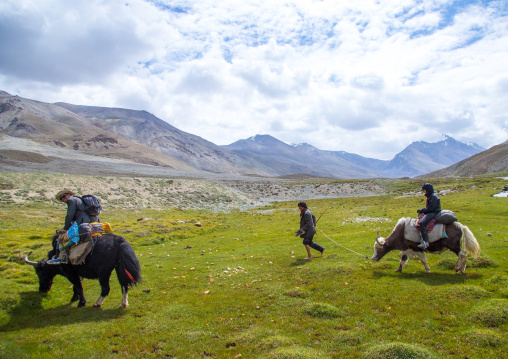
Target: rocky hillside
x=149, y=130
x=55, y=126
x=493, y=160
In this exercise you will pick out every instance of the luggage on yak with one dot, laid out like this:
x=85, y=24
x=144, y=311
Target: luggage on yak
x=446, y=217
x=76, y=243
x=92, y=205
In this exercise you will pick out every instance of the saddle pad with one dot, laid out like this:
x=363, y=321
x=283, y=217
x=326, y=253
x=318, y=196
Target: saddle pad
x=78, y=253
x=412, y=234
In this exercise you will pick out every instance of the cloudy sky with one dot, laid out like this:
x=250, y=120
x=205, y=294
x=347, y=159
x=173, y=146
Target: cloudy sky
x=362, y=76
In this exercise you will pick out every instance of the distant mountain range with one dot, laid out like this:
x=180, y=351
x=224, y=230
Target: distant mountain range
x=416, y=159
x=141, y=137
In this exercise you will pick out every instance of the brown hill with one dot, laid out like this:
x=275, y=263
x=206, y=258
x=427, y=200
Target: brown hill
x=55, y=126
x=493, y=160
x=151, y=131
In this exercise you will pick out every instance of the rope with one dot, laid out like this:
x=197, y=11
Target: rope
x=342, y=245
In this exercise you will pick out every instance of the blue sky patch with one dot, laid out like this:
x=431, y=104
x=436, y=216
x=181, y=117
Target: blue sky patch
x=175, y=9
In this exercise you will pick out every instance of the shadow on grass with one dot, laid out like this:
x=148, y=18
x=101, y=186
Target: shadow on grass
x=436, y=279
x=29, y=313
x=301, y=261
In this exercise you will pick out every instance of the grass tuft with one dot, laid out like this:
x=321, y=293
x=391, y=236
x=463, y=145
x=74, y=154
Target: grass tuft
x=323, y=311
x=349, y=339
x=485, y=338
x=492, y=313
x=274, y=342
x=297, y=293
x=399, y=351
x=482, y=262
x=465, y=293
x=294, y=352
x=478, y=262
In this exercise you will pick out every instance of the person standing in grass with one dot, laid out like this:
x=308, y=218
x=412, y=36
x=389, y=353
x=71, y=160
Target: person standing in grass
x=307, y=230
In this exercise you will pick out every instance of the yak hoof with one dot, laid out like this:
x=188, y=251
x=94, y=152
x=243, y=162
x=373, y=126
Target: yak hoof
x=97, y=305
x=123, y=305
x=427, y=271
x=81, y=304
x=462, y=270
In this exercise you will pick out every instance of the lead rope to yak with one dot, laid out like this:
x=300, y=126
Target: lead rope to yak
x=342, y=245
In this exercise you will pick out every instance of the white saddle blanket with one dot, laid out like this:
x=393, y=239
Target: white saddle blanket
x=412, y=234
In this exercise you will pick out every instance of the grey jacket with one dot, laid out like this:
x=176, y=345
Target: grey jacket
x=76, y=213
x=307, y=225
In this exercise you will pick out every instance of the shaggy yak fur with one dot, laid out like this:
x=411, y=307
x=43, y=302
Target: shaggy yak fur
x=110, y=252
x=456, y=232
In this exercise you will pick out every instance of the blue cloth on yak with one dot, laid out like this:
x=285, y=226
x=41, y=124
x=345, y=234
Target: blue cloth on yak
x=82, y=233
x=73, y=234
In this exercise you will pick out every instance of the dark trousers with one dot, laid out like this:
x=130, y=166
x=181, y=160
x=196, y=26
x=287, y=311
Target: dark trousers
x=423, y=225
x=313, y=245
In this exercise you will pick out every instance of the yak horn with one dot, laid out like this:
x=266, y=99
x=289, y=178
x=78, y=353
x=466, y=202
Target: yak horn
x=378, y=242
x=27, y=261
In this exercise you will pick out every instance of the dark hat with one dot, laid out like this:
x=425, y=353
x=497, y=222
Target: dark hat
x=62, y=192
x=302, y=204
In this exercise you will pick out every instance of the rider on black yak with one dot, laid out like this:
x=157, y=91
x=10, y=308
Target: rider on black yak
x=432, y=208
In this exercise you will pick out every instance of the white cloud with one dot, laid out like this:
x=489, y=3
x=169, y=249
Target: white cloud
x=364, y=77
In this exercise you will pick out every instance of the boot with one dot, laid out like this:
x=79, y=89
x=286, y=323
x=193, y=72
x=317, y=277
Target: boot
x=424, y=237
x=55, y=259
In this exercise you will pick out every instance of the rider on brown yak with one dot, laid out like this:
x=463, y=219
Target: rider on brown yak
x=432, y=208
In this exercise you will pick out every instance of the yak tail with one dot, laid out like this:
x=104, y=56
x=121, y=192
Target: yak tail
x=470, y=242
x=129, y=271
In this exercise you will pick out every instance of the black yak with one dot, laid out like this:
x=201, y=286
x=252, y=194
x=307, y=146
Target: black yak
x=110, y=252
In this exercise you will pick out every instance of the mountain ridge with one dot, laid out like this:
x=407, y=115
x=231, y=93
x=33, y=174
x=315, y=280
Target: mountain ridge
x=418, y=158
x=147, y=129
x=142, y=137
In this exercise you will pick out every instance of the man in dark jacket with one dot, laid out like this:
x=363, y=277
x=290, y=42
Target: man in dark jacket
x=75, y=213
x=307, y=230
x=432, y=208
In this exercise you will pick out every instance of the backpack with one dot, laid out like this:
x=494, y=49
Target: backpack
x=446, y=217
x=92, y=205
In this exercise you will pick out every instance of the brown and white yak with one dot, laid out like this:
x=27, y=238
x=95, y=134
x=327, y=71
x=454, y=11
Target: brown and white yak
x=405, y=237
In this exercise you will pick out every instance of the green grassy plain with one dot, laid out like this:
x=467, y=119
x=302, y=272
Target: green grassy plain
x=239, y=287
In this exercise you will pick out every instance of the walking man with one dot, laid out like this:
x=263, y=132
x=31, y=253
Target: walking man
x=307, y=230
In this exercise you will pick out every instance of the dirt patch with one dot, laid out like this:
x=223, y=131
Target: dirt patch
x=24, y=156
